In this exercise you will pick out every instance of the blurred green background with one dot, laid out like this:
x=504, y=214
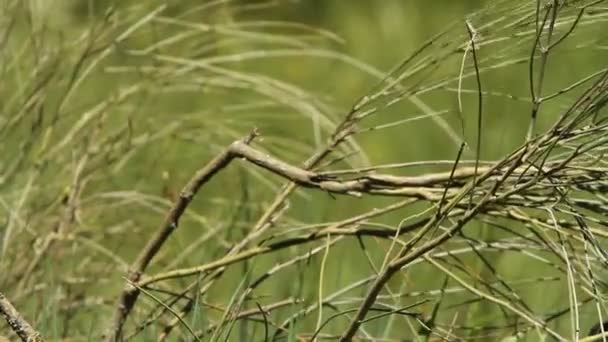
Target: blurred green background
x=141, y=150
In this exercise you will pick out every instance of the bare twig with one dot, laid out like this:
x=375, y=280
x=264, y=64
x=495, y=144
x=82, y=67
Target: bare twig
x=130, y=293
x=19, y=325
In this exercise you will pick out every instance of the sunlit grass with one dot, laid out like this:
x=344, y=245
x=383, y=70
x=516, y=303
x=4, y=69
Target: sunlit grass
x=105, y=117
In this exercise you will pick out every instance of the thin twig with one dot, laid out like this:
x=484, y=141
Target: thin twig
x=17, y=323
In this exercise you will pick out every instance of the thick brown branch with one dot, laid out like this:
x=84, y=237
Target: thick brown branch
x=424, y=187
x=428, y=187
x=130, y=293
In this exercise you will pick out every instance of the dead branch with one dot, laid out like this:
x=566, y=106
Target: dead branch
x=19, y=325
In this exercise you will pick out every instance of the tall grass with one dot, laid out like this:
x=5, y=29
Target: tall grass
x=147, y=117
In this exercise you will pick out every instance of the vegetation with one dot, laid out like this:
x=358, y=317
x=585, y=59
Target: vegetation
x=458, y=196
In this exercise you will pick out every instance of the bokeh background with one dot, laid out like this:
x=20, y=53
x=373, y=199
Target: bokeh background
x=100, y=129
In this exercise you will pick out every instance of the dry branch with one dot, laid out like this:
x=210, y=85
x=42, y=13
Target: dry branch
x=17, y=323
x=130, y=293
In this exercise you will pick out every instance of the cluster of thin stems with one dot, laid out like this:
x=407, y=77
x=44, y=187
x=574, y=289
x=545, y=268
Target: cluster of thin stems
x=544, y=200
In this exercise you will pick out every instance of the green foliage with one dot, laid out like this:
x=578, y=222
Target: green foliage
x=107, y=109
